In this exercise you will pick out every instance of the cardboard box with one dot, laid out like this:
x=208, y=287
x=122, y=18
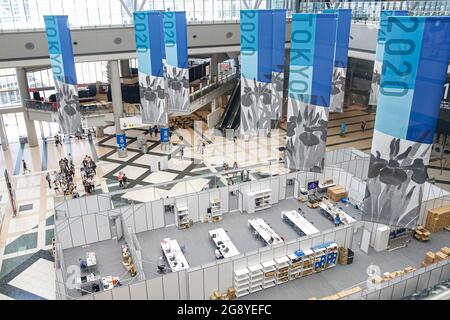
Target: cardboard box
x=409, y=269
x=445, y=250
x=440, y=256
x=438, y=219
x=336, y=193
x=429, y=257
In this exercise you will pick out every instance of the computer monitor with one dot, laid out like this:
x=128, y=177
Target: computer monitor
x=313, y=185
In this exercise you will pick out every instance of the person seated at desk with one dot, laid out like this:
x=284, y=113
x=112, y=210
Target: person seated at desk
x=83, y=264
x=218, y=253
x=337, y=220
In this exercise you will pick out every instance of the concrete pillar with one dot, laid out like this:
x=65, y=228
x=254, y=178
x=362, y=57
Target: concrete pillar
x=125, y=68
x=214, y=67
x=100, y=132
x=116, y=95
x=3, y=137
x=22, y=83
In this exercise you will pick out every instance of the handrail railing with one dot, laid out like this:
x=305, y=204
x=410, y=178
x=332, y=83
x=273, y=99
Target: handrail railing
x=28, y=14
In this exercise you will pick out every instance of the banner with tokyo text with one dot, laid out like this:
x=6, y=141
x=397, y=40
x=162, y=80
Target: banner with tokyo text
x=313, y=39
x=256, y=71
x=150, y=54
x=63, y=68
x=415, y=62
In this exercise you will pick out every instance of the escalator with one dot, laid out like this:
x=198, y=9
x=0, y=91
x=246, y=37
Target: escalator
x=232, y=116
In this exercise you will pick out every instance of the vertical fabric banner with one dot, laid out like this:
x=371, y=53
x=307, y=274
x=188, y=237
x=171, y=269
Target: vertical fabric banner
x=378, y=64
x=415, y=61
x=63, y=68
x=344, y=20
x=256, y=71
x=177, y=72
x=278, y=63
x=149, y=47
x=311, y=69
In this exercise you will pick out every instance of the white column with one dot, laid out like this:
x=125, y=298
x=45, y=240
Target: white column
x=116, y=95
x=3, y=137
x=22, y=83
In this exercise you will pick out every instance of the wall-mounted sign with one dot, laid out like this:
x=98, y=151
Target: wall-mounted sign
x=131, y=122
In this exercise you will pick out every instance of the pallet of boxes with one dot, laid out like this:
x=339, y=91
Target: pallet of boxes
x=433, y=257
x=336, y=193
x=422, y=234
x=438, y=219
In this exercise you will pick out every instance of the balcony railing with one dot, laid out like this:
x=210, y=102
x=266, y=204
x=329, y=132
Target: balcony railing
x=28, y=14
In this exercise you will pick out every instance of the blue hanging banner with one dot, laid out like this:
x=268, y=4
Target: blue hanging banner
x=278, y=63
x=63, y=68
x=256, y=71
x=378, y=64
x=150, y=54
x=415, y=62
x=344, y=20
x=313, y=39
x=176, y=60
x=164, y=135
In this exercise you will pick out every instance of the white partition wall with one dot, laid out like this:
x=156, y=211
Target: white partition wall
x=210, y=279
x=203, y=204
x=192, y=203
x=225, y=274
x=195, y=283
x=171, y=286
x=158, y=214
x=155, y=290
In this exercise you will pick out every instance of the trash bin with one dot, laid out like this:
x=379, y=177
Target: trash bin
x=350, y=255
x=23, y=139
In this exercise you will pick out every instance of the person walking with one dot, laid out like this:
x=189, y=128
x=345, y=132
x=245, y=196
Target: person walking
x=49, y=180
x=120, y=178
x=124, y=180
x=70, y=159
x=182, y=153
x=363, y=126
x=25, y=167
x=343, y=129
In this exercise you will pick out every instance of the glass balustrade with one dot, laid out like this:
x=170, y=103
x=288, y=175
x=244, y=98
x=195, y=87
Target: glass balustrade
x=28, y=14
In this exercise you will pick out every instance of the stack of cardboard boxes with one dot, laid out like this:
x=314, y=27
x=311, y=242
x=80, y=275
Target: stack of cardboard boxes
x=343, y=255
x=431, y=257
x=336, y=193
x=231, y=294
x=422, y=234
x=438, y=219
x=391, y=275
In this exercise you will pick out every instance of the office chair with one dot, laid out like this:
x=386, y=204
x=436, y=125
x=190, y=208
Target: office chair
x=161, y=269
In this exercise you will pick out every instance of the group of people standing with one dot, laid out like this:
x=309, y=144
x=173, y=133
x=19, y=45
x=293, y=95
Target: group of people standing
x=63, y=181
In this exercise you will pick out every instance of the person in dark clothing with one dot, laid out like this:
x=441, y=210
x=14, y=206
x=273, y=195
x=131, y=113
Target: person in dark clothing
x=49, y=180
x=25, y=167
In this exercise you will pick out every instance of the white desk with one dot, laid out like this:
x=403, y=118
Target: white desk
x=91, y=259
x=108, y=282
x=332, y=209
x=88, y=279
x=300, y=222
x=225, y=247
x=265, y=231
x=174, y=255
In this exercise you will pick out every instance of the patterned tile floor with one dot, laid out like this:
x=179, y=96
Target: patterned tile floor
x=26, y=268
